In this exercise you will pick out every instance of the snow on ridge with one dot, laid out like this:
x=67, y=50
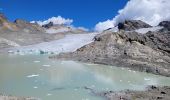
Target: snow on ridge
x=56, y=20
x=149, y=11
x=145, y=30
x=69, y=43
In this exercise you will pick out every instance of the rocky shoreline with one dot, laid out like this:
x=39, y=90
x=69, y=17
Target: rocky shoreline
x=151, y=93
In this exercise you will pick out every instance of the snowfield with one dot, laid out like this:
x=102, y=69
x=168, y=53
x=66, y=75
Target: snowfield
x=69, y=43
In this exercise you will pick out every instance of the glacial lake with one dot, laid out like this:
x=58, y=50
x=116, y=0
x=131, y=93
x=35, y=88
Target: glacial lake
x=37, y=76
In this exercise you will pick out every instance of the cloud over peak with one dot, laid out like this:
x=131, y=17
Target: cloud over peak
x=149, y=11
x=56, y=20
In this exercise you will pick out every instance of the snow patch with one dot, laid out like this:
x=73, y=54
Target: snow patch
x=34, y=75
x=145, y=30
x=35, y=87
x=36, y=61
x=46, y=65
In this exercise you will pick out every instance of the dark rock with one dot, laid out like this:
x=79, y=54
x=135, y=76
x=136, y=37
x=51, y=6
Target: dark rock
x=165, y=24
x=130, y=25
x=153, y=87
x=50, y=24
x=163, y=92
x=159, y=97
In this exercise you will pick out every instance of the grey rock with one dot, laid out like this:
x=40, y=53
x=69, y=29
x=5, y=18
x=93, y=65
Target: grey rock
x=148, y=94
x=130, y=25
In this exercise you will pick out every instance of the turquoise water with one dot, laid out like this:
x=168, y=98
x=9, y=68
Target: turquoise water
x=38, y=76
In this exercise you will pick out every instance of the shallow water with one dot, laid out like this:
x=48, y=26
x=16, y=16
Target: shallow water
x=37, y=76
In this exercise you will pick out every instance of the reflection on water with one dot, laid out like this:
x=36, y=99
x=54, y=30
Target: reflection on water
x=38, y=76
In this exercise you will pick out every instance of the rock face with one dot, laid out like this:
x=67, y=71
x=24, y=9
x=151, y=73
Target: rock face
x=165, y=24
x=142, y=52
x=132, y=25
x=24, y=25
x=152, y=93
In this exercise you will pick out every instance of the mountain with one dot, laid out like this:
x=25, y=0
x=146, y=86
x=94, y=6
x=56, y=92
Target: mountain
x=23, y=33
x=54, y=29
x=149, y=52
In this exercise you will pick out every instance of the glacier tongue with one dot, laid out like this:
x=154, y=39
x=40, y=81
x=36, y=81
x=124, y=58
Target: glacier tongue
x=69, y=43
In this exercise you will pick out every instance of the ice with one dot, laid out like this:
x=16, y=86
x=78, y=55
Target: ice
x=35, y=87
x=69, y=43
x=147, y=79
x=49, y=94
x=36, y=61
x=46, y=65
x=34, y=75
x=145, y=30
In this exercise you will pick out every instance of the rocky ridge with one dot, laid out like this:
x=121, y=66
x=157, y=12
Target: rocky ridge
x=130, y=25
x=142, y=52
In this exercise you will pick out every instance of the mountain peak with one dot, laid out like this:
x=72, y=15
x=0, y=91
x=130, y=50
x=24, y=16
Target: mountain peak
x=130, y=25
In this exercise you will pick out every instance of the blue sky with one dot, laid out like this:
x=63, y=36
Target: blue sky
x=85, y=13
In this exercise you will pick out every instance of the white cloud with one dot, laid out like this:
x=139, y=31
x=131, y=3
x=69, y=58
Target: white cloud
x=56, y=20
x=149, y=11
x=104, y=25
